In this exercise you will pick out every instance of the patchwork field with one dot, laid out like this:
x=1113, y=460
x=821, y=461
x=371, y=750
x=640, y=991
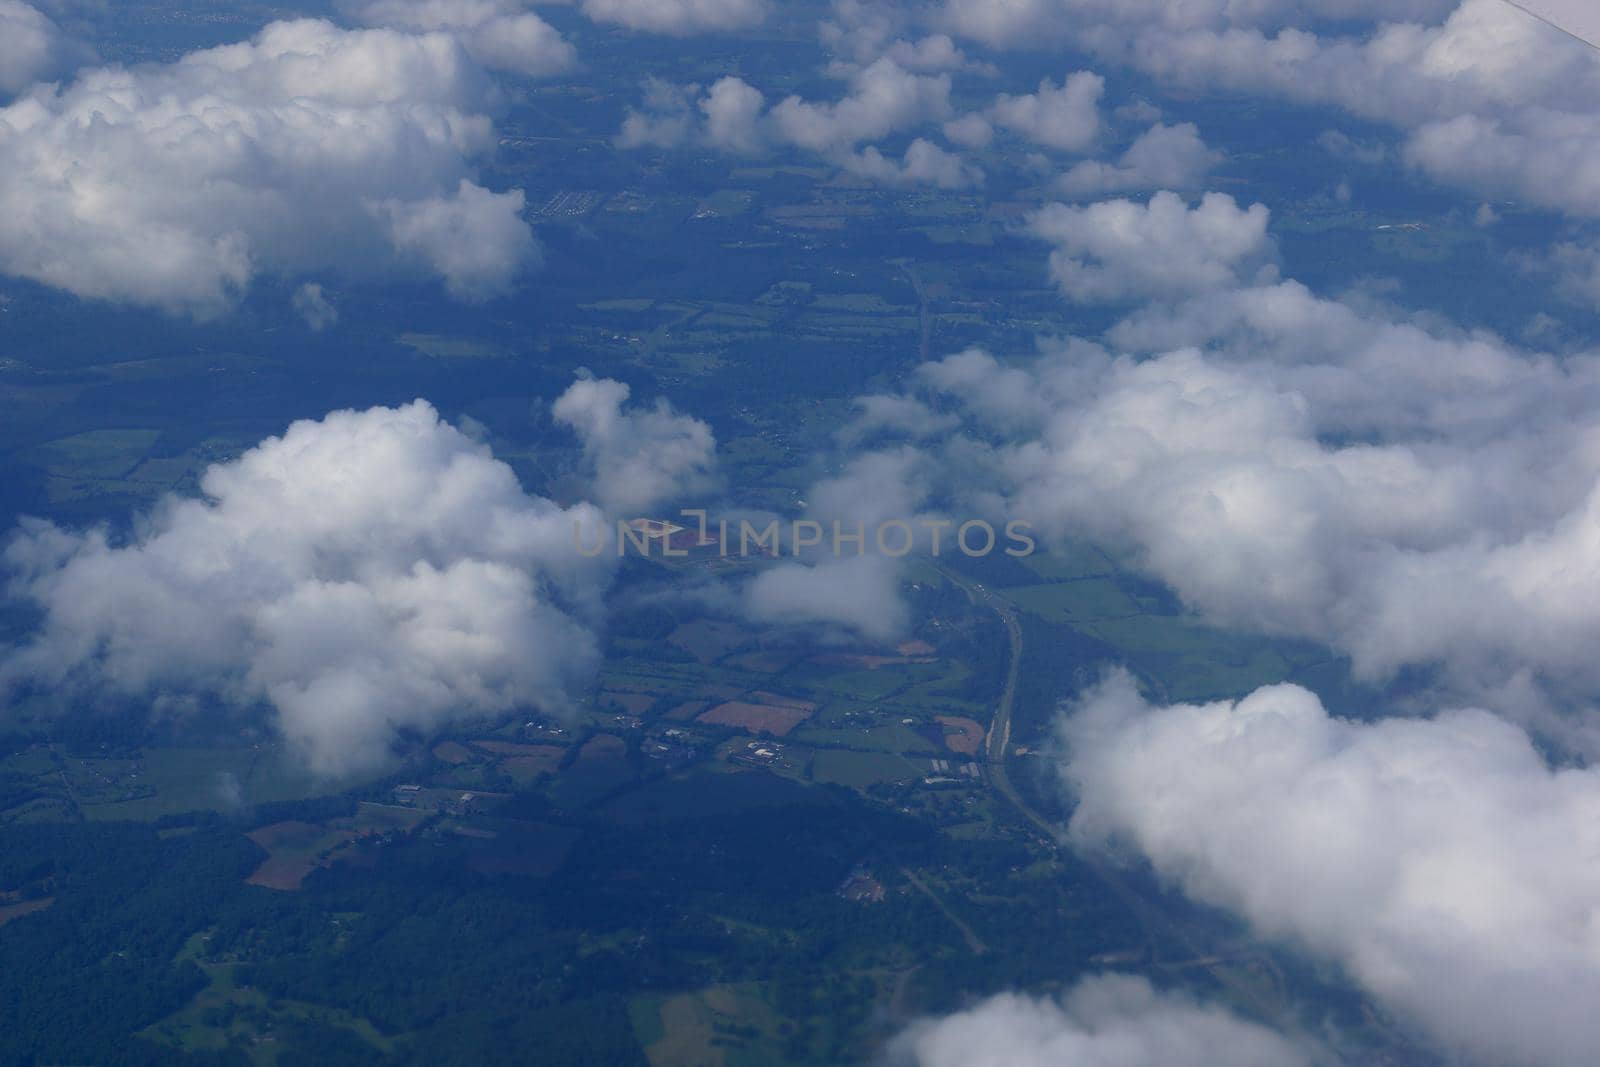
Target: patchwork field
x=297, y=848
x=174, y=780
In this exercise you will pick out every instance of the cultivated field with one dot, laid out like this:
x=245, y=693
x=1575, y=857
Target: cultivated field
x=776, y=720
x=961, y=735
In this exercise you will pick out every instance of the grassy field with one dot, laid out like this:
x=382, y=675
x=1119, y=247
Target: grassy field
x=861, y=769
x=196, y=779
x=1192, y=661
x=721, y=1026
x=884, y=737
x=1077, y=601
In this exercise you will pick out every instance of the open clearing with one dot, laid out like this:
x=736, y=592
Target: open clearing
x=961, y=735
x=453, y=752
x=295, y=849
x=722, y=1026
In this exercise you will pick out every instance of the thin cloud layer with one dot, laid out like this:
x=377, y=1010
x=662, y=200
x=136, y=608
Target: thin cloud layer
x=362, y=574
x=1441, y=862
x=308, y=147
x=678, y=18
x=1110, y=1021
x=856, y=593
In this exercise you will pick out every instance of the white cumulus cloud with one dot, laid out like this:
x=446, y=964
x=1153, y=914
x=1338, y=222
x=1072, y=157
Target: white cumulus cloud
x=883, y=99
x=1064, y=117
x=1163, y=157
x=361, y=574
x=33, y=47
x=1109, y=1021
x=1442, y=862
x=1163, y=248
x=499, y=34
x=1486, y=96
x=309, y=147
x=639, y=458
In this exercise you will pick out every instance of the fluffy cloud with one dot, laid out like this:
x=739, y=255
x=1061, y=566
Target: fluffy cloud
x=1489, y=98
x=1407, y=493
x=1442, y=862
x=732, y=111
x=924, y=163
x=499, y=34
x=362, y=574
x=1408, y=497
x=678, y=17
x=1111, y=1021
x=308, y=147
x=861, y=31
x=1164, y=157
x=33, y=47
x=1025, y=23
x=476, y=240
x=884, y=98
x=639, y=458
x=1064, y=117
x=1119, y=249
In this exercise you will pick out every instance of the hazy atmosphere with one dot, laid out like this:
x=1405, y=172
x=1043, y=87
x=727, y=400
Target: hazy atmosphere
x=727, y=533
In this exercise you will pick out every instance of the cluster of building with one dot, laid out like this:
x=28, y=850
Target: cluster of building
x=449, y=801
x=861, y=887
x=760, y=754
x=946, y=771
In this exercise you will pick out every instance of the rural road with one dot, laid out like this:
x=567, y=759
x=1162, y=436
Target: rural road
x=974, y=942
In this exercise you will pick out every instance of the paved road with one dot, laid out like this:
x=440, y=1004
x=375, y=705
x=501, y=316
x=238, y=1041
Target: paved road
x=998, y=741
x=1266, y=992
x=924, y=315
